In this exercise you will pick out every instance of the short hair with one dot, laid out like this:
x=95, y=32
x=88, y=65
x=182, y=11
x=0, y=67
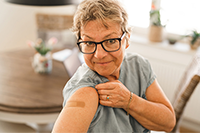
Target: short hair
x=100, y=10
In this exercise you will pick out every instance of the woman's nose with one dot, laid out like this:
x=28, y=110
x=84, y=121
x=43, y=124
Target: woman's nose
x=100, y=52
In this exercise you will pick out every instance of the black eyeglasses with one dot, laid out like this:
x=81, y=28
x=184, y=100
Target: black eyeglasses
x=109, y=45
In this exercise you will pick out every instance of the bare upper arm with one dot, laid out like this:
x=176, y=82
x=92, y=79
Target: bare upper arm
x=78, y=112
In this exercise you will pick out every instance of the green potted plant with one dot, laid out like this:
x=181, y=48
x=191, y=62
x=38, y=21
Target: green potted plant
x=194, y=39
x=155, y=18
x=156, y=28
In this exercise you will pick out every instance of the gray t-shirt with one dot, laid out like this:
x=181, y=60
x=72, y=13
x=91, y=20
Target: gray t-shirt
x=135, y=73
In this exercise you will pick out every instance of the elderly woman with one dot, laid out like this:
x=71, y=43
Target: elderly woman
x=113, y=91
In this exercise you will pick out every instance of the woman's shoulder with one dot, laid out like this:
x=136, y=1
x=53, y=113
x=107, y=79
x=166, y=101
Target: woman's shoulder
x=138, y=64
x=85, y=74
x=83, y=77
x=135, y=59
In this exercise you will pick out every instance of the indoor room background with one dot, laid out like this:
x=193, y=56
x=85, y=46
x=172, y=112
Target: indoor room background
x=169, y=61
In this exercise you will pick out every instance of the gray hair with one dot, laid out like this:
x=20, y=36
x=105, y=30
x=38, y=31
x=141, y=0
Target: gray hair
x=100, y=10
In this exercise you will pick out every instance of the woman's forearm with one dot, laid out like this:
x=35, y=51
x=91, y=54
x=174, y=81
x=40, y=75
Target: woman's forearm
x=152, y=115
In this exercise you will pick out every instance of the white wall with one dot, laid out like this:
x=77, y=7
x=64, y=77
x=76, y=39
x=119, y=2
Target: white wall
x=18, y=24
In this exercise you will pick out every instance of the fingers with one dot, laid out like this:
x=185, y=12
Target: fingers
x=105, y=97
x=105, y=92
x=108, y=86
x=106, y=103
x=106, y=100
x=113, y=94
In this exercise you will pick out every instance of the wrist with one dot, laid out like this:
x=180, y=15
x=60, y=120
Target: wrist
x=128, y=105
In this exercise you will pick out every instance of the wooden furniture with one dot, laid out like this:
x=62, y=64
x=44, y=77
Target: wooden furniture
x=26, y=96
x=8, y=127
x=56, y=25
x=188, y=83
x=54, y=21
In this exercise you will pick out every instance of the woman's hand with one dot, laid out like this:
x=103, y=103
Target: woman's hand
x=113, y=94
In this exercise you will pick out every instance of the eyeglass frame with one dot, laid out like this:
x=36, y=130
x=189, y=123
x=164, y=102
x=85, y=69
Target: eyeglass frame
x=119, y=39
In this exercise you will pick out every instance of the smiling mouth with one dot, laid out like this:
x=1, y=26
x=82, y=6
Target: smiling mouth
x=103, y=63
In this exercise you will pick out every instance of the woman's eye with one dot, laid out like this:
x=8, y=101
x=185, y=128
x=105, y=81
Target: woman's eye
x=89, y=43
x=111, y=41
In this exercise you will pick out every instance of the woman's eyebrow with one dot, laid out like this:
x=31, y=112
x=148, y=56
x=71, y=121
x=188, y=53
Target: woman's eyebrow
x=105, y=37
x=88, y=36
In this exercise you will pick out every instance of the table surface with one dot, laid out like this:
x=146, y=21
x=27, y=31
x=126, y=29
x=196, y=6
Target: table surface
x=24, y=91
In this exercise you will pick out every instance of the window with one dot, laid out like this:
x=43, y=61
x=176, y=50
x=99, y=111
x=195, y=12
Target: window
x=138, y=11
x=180, y=16
x=183, y=15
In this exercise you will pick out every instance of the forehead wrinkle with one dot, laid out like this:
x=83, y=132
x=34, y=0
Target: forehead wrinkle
x=113, y=33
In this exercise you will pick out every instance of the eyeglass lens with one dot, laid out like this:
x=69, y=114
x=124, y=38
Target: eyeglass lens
x=109, y=45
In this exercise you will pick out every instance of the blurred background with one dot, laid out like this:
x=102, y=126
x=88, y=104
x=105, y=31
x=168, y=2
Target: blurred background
x=179, y=18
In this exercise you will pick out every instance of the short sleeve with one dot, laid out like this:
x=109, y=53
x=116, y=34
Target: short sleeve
x=137, y=74
x=148, y=76
x=148, y=73
x=73, y=85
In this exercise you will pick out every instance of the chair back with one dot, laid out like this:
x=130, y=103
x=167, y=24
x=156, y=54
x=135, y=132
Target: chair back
x=72, y=62
x=56, y=25
x=185, y=89
x=53, y=21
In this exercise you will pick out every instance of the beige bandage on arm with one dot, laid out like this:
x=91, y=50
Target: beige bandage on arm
x=75, y=104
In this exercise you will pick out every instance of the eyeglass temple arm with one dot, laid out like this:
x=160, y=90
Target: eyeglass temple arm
x=123, y=35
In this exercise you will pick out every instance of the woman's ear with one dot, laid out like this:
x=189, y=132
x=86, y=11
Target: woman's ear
x=128, y=40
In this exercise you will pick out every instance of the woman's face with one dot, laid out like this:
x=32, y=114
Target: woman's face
x=104, y=63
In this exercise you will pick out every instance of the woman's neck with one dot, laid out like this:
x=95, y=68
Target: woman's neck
x=112, y=77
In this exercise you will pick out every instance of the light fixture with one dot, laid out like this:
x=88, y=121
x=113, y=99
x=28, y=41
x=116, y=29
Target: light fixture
x=45, y=2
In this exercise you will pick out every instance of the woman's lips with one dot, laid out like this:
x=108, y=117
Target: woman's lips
x=103, y=63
